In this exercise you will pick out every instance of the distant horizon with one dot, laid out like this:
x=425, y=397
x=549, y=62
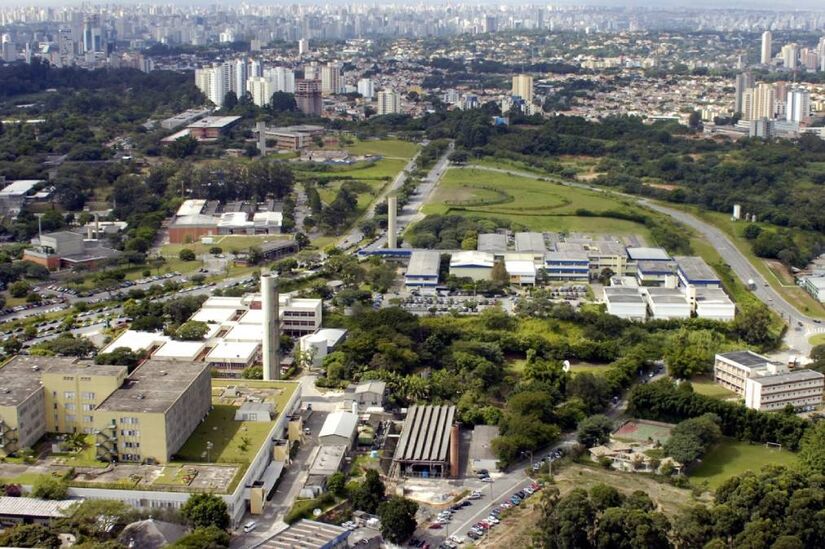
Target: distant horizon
x=788, y=6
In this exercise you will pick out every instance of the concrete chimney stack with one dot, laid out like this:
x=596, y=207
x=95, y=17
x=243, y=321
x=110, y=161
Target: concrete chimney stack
x=261, y=128
x=392, y=229
x=272, y=331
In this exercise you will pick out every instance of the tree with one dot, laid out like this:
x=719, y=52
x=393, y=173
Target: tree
x=337, y=484
x=282, y=102
x=692, y=437
x=691, y=352
x=19, y=289
x=594, y=430
x=605, y=275
x=186, y=255
x=397, y=519
x=752, y=231
x=204, y=510
x=30, y=535
x=695, y=120
x=49, y=487
x=568, y=524
x=693, y=527
x=97, y=518
x=604, y=496
x=121, y=356
x=499, y=273
x=593, y=390
x=192, y=330
x=182, y=147
x=753, y=325
x=812, y=449
x=216, y=250
x=369, y=494
x=230, y=100
x=209, y=537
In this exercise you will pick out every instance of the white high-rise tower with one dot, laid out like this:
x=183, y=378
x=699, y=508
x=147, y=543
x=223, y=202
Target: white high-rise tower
x=766, y=47
x=272, y=331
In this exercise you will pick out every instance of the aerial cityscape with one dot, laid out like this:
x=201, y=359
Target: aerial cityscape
x=433, y=275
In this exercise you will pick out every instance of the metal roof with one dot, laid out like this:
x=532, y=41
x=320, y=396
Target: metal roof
x=34, y=507
x=530, y=242
x=424, y=263
x=694, y=269
x=425, y=435
x=650, y=254
x=492, y=242
x=340, y=424
x=748, y=359
x=794, y=376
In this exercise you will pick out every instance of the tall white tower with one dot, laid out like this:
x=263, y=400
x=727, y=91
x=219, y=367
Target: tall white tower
x=392, y=229
x=766, y=48
x=272, y=331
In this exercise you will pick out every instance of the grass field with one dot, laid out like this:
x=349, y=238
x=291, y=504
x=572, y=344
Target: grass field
x=818, y=339
x=732, y=457
x=391, y=148
x=538, y=205
x=705, y=386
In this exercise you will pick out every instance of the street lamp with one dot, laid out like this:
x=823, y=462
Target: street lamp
x=209, y=447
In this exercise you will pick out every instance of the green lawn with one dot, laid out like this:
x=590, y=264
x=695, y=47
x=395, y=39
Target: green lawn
x=226, y=434
x=384, y=147
x=731, y=457
x=538, y=205
x=707, y=387
x=818, y=339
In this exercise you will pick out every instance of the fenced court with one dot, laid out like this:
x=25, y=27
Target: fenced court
x=636, y=430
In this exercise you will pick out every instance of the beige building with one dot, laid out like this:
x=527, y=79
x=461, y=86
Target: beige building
x=389, y=102
x=150, y=417
x=143, y=417
x=759, y=102
x=766, y=385
x=523, y=87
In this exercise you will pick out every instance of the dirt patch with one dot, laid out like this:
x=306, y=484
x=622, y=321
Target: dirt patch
x=780, y=270
x=517, y=529
x=663, y=186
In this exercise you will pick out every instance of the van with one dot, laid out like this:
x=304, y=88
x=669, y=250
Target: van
x=249, y=526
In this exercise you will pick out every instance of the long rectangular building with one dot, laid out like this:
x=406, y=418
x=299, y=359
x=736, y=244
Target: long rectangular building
x=428, y=446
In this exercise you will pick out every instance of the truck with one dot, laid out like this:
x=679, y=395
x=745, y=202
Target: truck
x=751, y=284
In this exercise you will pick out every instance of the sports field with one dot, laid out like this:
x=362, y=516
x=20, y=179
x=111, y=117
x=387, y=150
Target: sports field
x=538, y=205
x=643, y=431
x=732, y=457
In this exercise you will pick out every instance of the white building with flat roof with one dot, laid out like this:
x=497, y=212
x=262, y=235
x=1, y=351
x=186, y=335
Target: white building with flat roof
x=520, y=271
x=667, y=303
x=472, y=264
x=137, y=341
x=422, y=271
x=188, y=351
x=801, y=389
x=625, y=302
x=232, y=357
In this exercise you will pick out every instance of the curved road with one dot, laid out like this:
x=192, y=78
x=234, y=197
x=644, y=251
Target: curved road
x=797, y=335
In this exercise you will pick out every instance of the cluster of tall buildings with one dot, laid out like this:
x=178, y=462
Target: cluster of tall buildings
x=771, y=100
x=793, y=56
x=241, y=76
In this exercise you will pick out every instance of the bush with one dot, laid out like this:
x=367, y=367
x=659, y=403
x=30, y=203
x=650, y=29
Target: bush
x=186, y=255
x=303, y=509
x=49, y=487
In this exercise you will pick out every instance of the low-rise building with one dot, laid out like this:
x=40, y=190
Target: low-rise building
x=531, y=243
x=15, y=193
x=294, y=138
x=567, y=266
x=656, y=273
x=694, y=271
x=494, y=243
x=182, y=119
x=637, y=254
x=472, y=264
x=801, y=389
x=422, y=270
x=815, y=285
x=308, y=534
x=712, y=303
x=67, y=250
x=14, y=510
x=730, y=370
x=667, y=303
x=339, y=429
x=429, y=444
x=368, y=393
x=625, y=302
x=520, y=271
x=197, y=218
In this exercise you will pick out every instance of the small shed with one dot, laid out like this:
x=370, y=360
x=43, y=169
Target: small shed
x=254, y=411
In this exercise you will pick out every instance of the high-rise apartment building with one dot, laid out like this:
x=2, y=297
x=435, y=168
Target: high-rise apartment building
x=332, y=78
x=809, y=59
x=308, y=97
x=303, y=46
x=790, y=56
x=820, y=50
x=798, y=106
x=766, y=48
x=744, y=81
x=214, y=82
x=389, y=102
x=523, y=87
x=260, y=89
x=366, y=88
x=281, y=79
x=759, y=102
x=240, y=73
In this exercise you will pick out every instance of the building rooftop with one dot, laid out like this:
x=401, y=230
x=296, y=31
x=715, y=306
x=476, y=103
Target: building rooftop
x=328, y=460
x=371, y=387
x=520, y=267
x=472, y=258
x=621, y=294
x=340, y=424
x=748, y=359
x=188, y=350
x=35, y=507
x=153, y=387
x=136, y=340
x=656, y=267
x=566, y=256
x=19, y=187
x=530, y=242
x=233, y=351
x=492, y=242
x=191, y=207
x=214, y=315
x=58, y=365
x=245, y=332
x=424, y=264
x=425, y=435
x=792, y=376
x=221, y=302
x=650, y=254
x=307, y=534
x=20, y=377
x=214, y=122
x=694, y=269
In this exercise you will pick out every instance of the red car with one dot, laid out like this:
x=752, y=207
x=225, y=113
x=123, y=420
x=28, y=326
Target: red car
x=435, y=526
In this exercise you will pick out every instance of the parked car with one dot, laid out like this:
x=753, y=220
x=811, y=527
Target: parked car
x=249, y=526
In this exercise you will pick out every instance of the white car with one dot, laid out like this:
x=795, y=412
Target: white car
x=249, y=526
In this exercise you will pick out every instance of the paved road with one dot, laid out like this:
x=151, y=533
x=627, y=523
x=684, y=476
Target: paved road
x=411, y=212
x=355, y=235
x=797, y=336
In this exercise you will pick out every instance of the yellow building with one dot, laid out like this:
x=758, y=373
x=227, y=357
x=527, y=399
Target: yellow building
x=150, y=417
x=22, y=403
x=74, y=390
x=523, y=87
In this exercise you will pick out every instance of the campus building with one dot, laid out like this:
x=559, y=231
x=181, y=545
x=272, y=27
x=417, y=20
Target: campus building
x=143, y=417
x=767, y=385
x=294, y=138
x=67, y=250
x=429, y=444
x=472, y=264
x=422, y=270
x=567, y=266
x=196, y=218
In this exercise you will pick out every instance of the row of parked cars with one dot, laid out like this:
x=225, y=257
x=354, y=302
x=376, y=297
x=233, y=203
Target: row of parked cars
x=479, y=529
